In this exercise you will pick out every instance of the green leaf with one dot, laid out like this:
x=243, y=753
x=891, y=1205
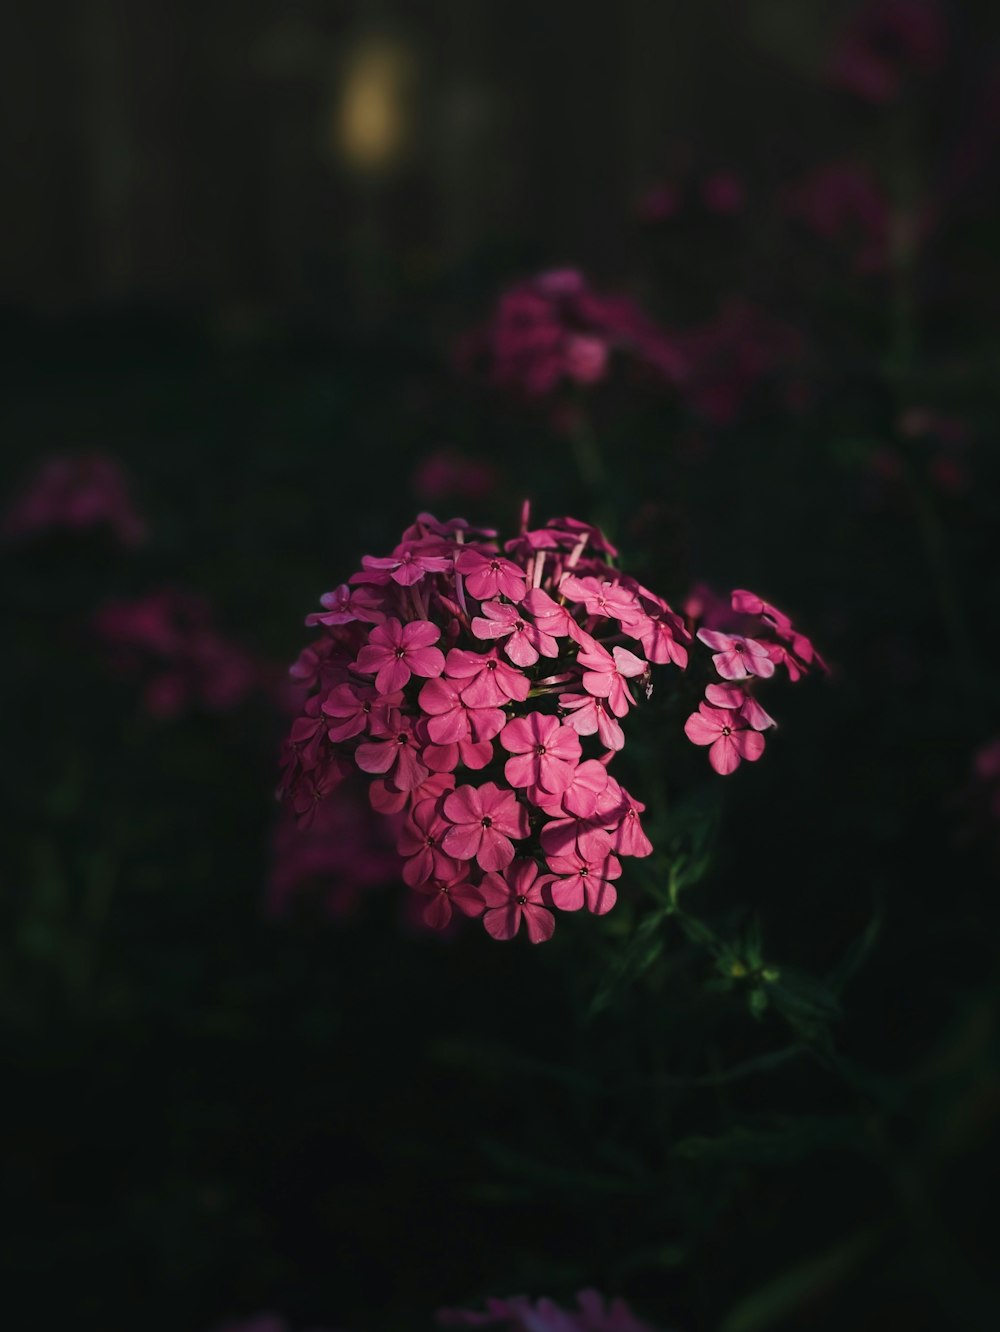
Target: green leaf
x=772, y=1303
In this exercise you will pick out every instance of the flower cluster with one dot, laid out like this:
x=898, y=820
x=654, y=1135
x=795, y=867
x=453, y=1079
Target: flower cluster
x=168, y=638
x=554, y=329
x=885, y=43
x=749, y=640
x=76, y=494
x=519, y=1314
x=346, y=851
x=466, y=683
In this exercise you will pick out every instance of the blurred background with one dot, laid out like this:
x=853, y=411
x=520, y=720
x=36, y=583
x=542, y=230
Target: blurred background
x=275, y=277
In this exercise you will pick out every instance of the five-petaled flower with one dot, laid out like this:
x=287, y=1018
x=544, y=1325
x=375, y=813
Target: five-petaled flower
x=396, y=651
x=518, y=895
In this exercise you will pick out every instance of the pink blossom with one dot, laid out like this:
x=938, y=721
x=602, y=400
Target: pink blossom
x=395, y=650
x=543, y=752
x=841, y=203
x=406, y=567
x=344, y=605
x=393, y=750
x=419, y=840
x=446, y=472
x=485, y=680
x=76, y=493
x=353, y=706
x=488, y=576
x=606, y=674
x=524, y=640
x=729, y=735
x=551, y=618
x=620, y=812
x=484, y=820
x=593, y=1313
x=603, y=598
x=732, y=696
x=584, y=878
x=388, y=799
x=516, y=895
x=444, y=897
x=590, y=716
x=737, y=657
x=581, y=798
x=883, y=43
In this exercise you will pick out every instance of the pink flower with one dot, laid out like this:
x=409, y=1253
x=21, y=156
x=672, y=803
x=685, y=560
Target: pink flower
x=517, y=895
x=606, y=674
x=581, y=798
x=407, y=566
x=419, y=841
x=393, y=750
x=485, y=681
x=585, y=878
x=76, y=494
x=737, y=657
x=353, y=707
x=386, y=798
x=732, y=696
x=524, y=640
x=729, y=735
x=395, y=650
x=488, y=576
x=883, y=43
x=841, y=204
x=484, y=820
x=446, y=473
x=544, y=752
x=344, y=605
x=601, y=597
x=444, y=897
x=551, y=617
x=620, y=812
x=590, y=716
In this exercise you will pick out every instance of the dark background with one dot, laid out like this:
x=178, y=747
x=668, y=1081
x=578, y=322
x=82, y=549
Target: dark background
x=219, y=271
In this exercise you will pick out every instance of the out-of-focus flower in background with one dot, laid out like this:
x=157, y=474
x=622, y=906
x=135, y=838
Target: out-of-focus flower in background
x=168, y=639
x=886, y=43
x=75, y=493
x=841, y=203
x=447, y=474
x=554, y=330
x=346, y=850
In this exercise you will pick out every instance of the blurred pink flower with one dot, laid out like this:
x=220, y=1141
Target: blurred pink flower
x=75, y=493
x=168, y=637
x=446, y=474
x=885, y=42
x=841, y=203
x=593, y=1313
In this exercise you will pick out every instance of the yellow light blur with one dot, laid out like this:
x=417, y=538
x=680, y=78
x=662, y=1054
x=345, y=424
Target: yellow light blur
x=371, y=125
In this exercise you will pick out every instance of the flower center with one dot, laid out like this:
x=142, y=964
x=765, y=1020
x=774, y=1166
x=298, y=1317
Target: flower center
x=522, y=900
x=584, y=872
x=402, y=738
x=400, y=653
x=539, y=750
x=487, y=822
x=518, y=626
x=737, y=647
x=495, y=566
x=492, y=665
x=726, y=730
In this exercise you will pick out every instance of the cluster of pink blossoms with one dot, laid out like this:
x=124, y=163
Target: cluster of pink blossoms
x=168, y=638
x=749, y=640
x=593, y=1313
x=75, y=493
x=554, y=329
x=466, y=683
